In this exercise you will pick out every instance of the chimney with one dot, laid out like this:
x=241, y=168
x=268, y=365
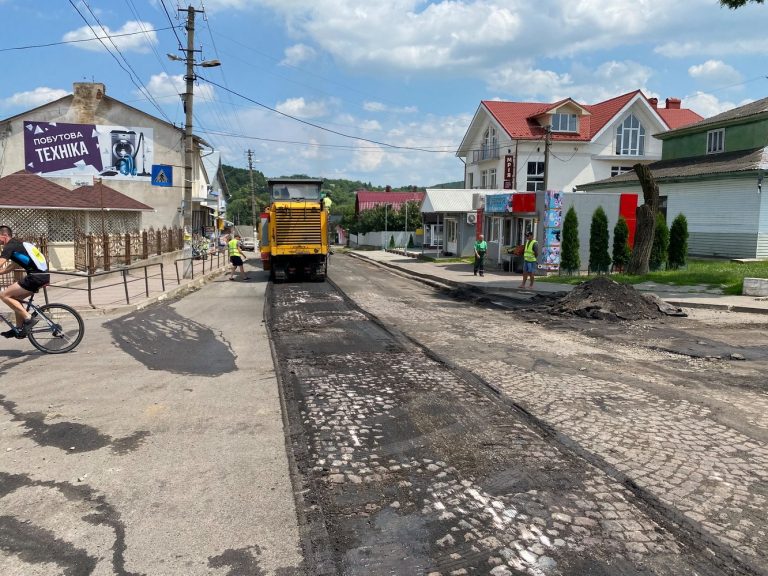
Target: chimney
x=87, y=97
x=673, y=103
x=654, y=102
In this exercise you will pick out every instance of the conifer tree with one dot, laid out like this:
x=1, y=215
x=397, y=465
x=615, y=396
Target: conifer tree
x=599, y=257
x=678, y=242
x=569, y=249
x=621, y=251
x=660, y=246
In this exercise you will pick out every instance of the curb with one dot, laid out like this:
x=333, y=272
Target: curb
x=724, y=307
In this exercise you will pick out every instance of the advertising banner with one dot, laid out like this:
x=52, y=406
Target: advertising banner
x=553, y=221
x=56, y=149
x=497, y=203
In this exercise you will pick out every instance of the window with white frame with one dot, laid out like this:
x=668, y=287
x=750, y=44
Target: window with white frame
x=630, y=137
x=616, y=170
x=434, y=235
x=490, y=144
x=535, y=178
x=565, y=123
x=715, y=141
x=492, y=178
x=484, y=179
x=471, y=180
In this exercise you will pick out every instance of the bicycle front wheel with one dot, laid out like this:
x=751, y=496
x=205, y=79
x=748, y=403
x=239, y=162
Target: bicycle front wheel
x=59, y=330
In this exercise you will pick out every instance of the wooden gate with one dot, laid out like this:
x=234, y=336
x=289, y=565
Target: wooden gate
x=81, y=250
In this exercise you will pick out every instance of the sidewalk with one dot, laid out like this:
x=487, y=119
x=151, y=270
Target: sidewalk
x=457, y=274
x=123, y=291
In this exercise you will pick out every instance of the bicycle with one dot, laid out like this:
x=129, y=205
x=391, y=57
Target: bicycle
x=60, y=328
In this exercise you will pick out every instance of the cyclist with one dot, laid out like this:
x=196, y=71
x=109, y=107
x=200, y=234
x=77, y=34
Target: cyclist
x=28, y=257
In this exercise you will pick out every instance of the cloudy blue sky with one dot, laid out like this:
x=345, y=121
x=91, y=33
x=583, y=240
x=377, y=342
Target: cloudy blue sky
x=377, y=90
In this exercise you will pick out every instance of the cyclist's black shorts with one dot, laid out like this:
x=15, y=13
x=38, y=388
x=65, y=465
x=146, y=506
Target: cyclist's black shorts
x=34, y=283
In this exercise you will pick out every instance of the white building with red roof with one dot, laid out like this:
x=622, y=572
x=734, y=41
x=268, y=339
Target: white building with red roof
x=530, y=146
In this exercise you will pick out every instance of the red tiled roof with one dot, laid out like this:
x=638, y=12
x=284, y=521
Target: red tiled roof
x=365, y=199
x=111, y=199
x=25, y=190
x=519, y=118
x=679, y=117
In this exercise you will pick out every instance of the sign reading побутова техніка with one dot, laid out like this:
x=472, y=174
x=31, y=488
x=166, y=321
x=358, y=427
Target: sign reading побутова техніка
x=75, y=150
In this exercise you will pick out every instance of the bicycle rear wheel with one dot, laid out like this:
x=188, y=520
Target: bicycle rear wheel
x=59, y=330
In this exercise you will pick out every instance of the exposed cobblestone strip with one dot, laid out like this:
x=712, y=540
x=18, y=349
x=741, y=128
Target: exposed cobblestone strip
x=712, y=474
x=361, y=411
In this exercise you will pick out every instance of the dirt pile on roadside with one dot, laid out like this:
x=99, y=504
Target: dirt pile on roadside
x=604, y=299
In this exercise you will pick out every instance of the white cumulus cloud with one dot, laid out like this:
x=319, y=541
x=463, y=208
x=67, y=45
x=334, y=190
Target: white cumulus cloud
x=164, y=87
x=140, y=37
x=302, y=108
x=33, y=98
x=709, y=105
x=381, y=107
x=715, y=73
x=297, y=54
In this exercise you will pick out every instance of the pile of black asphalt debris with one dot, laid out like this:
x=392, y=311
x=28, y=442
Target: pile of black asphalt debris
x=604, y=299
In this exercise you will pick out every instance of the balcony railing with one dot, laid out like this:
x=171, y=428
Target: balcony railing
x=485, y=153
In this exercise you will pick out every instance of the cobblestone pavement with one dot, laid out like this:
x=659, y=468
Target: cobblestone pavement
x=410, y=467
x=688, y=431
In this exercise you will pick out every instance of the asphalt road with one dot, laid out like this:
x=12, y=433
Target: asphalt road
x=155, y=448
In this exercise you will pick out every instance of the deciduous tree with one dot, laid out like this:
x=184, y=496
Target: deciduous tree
x=733, y=4
x=646, y=221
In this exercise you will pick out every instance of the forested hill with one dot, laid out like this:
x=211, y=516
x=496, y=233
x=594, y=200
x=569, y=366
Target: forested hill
x=341, y=191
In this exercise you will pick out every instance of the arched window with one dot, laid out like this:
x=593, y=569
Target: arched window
x=490, y=144
x=630, y=137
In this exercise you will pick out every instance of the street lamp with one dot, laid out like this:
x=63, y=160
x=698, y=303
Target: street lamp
x=188, y=100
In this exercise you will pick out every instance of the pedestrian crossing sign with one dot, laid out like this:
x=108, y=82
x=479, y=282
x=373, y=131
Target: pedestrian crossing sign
x=162, y=175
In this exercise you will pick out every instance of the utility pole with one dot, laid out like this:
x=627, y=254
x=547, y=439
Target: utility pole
x=548, y=130
x=189, y=148
x=253, y=192
x=189, y=77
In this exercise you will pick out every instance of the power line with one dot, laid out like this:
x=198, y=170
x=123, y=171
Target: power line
x=168, y=15
x=140, y=86
x=307, y=72
x=218, y=110
x=159, y=58
x=313, y=125
x=49, y=44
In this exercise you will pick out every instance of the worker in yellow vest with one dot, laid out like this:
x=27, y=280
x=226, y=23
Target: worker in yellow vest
x=530, y=257
x=236, y=256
